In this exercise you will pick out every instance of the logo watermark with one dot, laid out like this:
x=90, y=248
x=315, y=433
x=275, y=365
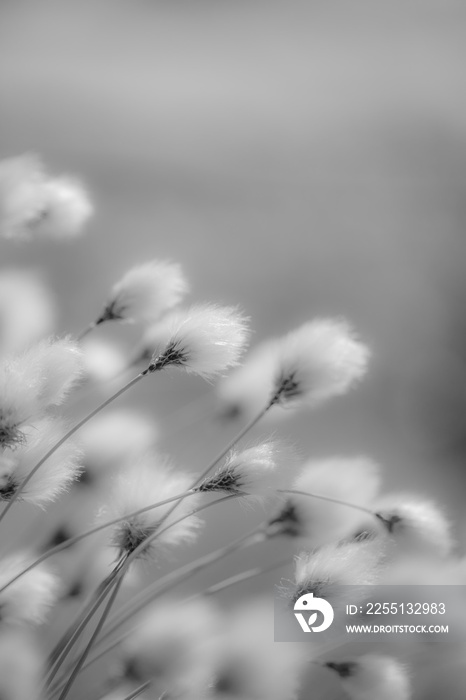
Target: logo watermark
x=434, y=612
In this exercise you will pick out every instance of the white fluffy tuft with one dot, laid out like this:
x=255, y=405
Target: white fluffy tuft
x=146, y=292
x=35, y=205
x=205, y=340
x=354, y=480
x=27, y=600
x=148, y=482
x=319, y=360
x=257, y=471
x=54, y=476
x=416, y=524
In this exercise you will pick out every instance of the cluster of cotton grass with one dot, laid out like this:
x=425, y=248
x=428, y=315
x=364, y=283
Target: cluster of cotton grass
x=97, y=620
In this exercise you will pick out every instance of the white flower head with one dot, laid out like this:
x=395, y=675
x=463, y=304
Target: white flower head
x=327, y=571
x=248, y=388
x=416, y=524
x=22, y=665
x=353, y=480
x=27, y=310
x=205, y=340
x=55, y=475
x=256, y=471
x=29, y=599
x=31, y=382
x=373, y=677
x=34, y=204
x=113, y=438
x=319, y=360
x=146, y=292
x=172, y=645
x=148, y=482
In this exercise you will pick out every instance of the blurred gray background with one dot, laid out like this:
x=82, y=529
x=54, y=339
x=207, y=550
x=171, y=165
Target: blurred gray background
x=298, y=158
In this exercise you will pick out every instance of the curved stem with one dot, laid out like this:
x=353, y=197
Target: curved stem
x=222, y=454
x=70, y=432
x=138, y=691
x=243, y=576
x=65, y=650
x=129, y=610
x=73, y=540
x=94, y=636
x=320, y=497
x=182, y=574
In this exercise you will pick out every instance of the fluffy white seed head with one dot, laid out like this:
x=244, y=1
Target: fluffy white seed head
x=56, y=474
x=258, y=471
x=34, y=204
x=146, y=292
x=205, y=340
x=325, y=571
x=32, y=382
x=22, y=665
x=319, y=360
x=373, y=677
x=115, y=438
x=147, y=482
x=355, y=480
x=416, y=524
x=29, y=599
x=248, y=388
x=172, y=645
x=27, y=310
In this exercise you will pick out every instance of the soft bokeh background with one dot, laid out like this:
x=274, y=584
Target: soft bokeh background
x=299, y=158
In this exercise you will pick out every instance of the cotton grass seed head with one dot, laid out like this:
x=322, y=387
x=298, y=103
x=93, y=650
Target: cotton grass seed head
x=327, y=571
x=149, y=481
x=415, y=524
x=56, y=474
x=29, y=599
x=319, y=360
x=32, y=382
x=257, y=471
x=355, y=480
x=36, y=205
x=373, y=677
x=146, y=292
x=205, y=340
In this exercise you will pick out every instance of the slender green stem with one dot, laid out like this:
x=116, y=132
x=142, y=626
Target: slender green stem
x=73, y=540
x=94, y=636
x=70, y=432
